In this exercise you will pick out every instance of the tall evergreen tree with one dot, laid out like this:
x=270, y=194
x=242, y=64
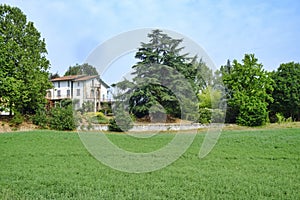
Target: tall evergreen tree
x=163, y=76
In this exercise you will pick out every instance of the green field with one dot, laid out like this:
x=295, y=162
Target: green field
x=251, y=164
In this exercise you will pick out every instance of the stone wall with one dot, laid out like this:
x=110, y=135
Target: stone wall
x=153, y=127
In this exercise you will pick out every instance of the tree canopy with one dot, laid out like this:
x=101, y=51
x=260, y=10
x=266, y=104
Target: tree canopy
x=83, y=69
x=23, y=63
x=248, y=91
x=286, y=92
x=164, y=77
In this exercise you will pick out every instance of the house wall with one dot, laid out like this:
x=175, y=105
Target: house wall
x=78, y=93
x=81, y=91
x=104, y=93
x=91, y=89
x=61, y=89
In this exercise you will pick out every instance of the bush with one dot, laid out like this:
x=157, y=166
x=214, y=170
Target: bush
x=17, y=119
x=279, y=118
x=58, y=118
x=95, y=118
x=205, y=115
x=40, y=118
x=62, y=118
x=120, y=123
x=112, y=126
x=218, y=116
x=99, y=118
x=252, y=114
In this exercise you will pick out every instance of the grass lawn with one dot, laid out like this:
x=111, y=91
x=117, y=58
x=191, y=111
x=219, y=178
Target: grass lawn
x=245, y=164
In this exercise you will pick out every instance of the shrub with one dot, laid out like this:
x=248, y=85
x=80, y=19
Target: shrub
x=62, y=118
x=112, y=126
x=280, y=118
x=96, y=118
x=252, y=114
x=40, y=118
x=290, y=119
x=100, y=118
x=218, y=116
x=17, y=119
x=205, y=115
x=120, y=123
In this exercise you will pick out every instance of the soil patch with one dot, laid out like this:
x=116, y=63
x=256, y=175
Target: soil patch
x=5, y=126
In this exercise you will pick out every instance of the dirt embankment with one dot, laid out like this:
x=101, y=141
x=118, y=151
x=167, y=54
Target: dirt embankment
x=6, y=126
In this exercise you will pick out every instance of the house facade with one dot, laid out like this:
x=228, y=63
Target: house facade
x=80, y=89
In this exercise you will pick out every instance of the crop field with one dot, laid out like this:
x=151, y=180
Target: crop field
x=245, y=164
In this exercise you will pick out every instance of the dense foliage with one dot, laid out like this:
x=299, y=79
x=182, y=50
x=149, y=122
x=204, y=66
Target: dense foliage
x=209, y=103
x=85, y=69
x=248, y=91
x=166, y=83
x=23, y=63
x=163, y=77
x=286, y=92
x=60, y=117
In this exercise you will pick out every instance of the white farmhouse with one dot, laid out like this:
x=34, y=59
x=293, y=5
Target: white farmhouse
x=80, y=88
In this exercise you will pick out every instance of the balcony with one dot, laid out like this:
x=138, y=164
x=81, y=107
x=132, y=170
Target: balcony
x=57, y=97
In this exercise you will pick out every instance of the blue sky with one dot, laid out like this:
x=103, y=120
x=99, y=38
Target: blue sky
x=226, y=29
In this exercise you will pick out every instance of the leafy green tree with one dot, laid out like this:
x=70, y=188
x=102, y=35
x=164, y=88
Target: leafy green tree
x=54, y=75
x=209, y=98
x=85, y=69
x=24, y=67
x=209, y=105
x=286, y=92
x=163, y=76
x=248, y=89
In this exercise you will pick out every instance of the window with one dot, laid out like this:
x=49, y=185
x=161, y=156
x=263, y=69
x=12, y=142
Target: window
x=93, y=83
x=78, y=92
x=68, y=83
x=78, y=84
x=58, y=93
x=92, y=93
x=68, y=93
x=58, y=84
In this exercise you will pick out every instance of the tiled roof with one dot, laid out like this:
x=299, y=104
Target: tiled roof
x=84, y=78
x=67, y=78
x=79, y=78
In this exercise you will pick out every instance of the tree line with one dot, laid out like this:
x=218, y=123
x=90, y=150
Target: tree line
x=166, y=82
x=253, y=95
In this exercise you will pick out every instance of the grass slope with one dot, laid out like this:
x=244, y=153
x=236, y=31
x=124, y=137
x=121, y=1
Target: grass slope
x=252, y=164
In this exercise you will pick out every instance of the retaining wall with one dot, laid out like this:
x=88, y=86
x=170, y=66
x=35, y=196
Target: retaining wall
x=152, y=127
